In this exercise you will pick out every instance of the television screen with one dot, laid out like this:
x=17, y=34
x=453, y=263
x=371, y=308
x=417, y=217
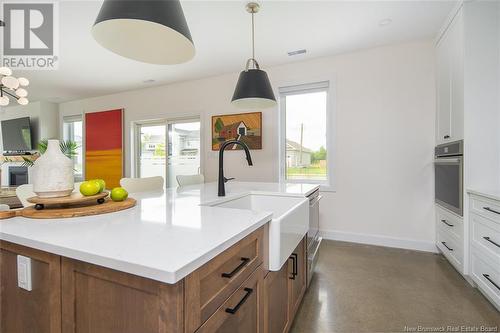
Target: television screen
x=16, y=134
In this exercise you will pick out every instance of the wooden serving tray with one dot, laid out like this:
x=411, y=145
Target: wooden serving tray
x=7, y=214
x=77, y=210
x=74, y=198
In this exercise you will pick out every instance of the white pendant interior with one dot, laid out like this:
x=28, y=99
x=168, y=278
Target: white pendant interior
x=144, y=41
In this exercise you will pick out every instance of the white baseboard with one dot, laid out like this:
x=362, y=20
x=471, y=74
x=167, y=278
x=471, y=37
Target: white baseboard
x=402, y=243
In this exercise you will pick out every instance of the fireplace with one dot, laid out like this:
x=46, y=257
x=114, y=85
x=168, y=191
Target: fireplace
x=18, y=175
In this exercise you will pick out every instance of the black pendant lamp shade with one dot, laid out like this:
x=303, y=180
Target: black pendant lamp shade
x=151, y=31
x=253, y=90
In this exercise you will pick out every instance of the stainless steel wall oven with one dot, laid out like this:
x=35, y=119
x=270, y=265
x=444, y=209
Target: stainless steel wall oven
x=448, y=165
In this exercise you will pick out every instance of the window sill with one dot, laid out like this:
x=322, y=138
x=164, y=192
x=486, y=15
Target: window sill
x=327, y=188
x=322, y=186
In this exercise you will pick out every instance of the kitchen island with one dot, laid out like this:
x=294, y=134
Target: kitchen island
x=174, y=263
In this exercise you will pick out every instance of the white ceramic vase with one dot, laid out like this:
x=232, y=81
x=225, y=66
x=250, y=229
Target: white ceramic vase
x=53, y=174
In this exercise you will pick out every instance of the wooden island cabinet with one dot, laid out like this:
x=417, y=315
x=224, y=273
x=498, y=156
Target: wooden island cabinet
x=233, y=292
x=284, y=291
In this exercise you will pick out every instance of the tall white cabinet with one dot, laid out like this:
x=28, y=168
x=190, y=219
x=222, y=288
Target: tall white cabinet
x=450, y=227
x=450, y=82
x=468, y=109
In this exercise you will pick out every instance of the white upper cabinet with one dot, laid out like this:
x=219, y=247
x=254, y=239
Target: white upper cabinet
x=450, y=83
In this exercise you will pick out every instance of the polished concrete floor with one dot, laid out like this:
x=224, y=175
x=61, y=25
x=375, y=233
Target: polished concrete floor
x=362, y=288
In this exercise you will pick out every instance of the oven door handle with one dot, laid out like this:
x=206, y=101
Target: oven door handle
x=446, y=160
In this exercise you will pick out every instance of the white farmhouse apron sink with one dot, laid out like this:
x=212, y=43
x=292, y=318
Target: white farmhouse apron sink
x=288, y=226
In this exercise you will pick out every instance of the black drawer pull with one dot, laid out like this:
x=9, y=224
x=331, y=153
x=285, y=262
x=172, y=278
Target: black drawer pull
x=492, y=242
x=244, y=261
x=446, y=246
x=240, y=303
x=491, y=210
x=487, y=276
x=294, y=258
x=446, y=222
x=446, y=137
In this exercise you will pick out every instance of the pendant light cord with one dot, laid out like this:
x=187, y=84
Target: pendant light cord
x=255, y=64
x=253, y=38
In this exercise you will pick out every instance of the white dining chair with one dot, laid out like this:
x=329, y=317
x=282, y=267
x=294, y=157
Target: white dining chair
x=148, y=184
x=24, y=192
x=184, y=180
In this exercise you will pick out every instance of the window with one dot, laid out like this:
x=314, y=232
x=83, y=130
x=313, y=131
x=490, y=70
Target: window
x=152, y=150
x=168, y=149
x=73, y=131
x=183, y=149
x=305, y=137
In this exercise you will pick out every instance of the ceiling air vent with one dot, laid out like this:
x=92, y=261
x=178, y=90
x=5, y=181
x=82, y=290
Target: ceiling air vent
x=297, y=52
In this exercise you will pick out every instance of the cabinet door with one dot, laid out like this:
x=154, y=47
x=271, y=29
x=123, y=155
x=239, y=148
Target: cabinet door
x=38, y=310
x=99, y=300
x=242, y=312
x=297, y=278
x=443, y=121
x=276, y=314
x=457, y=78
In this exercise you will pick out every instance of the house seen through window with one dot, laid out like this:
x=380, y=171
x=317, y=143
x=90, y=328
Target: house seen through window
x=168, y=149
x=304, y=120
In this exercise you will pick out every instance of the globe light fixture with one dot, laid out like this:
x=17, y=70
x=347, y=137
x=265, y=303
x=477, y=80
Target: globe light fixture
x=9, y=88
x=6, y=71
x=10, y=82
x=23, y=82
x=4, y=101
x=23, y=101
x=21, y=92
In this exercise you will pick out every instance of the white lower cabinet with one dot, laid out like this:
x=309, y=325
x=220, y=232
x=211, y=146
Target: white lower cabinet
x=484, y=245
x=450, y=237
x=486, y=275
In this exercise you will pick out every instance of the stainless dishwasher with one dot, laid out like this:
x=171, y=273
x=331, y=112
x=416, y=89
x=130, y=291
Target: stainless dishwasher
x=313, y=238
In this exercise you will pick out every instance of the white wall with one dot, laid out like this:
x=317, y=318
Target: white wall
x=385, y=109
x=43, y=118
x=44, y=125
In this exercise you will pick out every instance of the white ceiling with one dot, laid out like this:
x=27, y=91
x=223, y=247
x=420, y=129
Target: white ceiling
x=221, y=33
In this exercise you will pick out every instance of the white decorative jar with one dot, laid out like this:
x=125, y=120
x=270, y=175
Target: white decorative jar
x=53, y=174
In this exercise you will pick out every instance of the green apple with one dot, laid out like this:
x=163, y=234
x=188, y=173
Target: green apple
x=102, y=184
x=119, y=194
x=90, y=187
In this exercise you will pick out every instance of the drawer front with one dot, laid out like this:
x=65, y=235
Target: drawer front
x=452, y=249
x=486, y=207
x=210, y=285
x=449, y=223
x=485, y=235
x=486, y=274
x=242, y=310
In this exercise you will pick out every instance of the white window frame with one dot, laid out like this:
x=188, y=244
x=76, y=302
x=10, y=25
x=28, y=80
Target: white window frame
x=136, y=135
x=74, y=119
x=327, y=86
x=137, y=140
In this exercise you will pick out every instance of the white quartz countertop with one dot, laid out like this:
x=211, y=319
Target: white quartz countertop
x=493, y=194
x=165, y=237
